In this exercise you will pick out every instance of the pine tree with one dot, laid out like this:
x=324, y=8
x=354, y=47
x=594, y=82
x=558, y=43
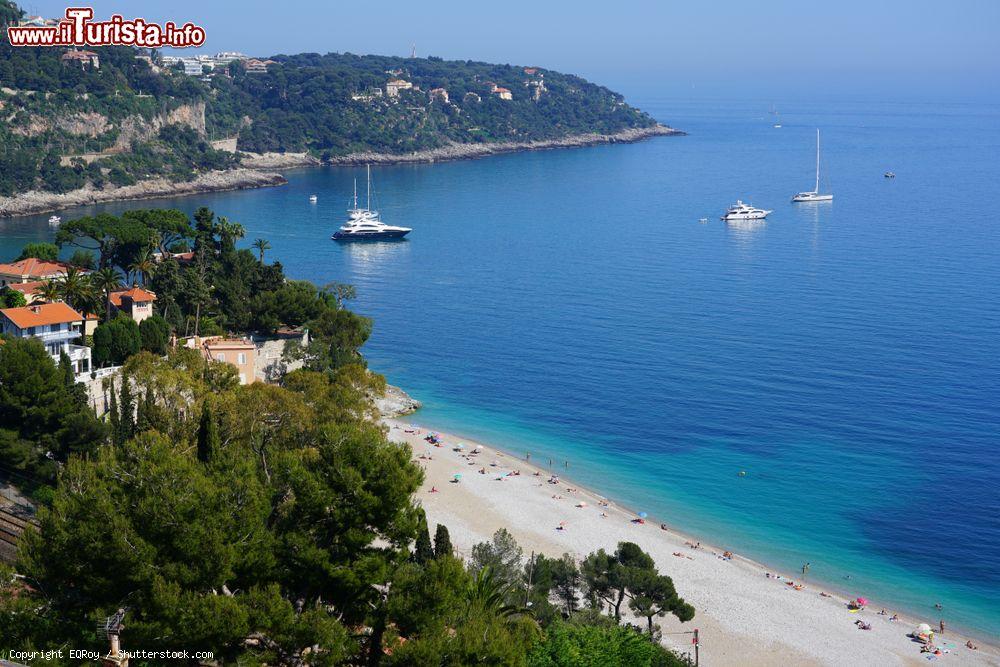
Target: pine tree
x=442, y=541
x=423, y=551
x=208, y=435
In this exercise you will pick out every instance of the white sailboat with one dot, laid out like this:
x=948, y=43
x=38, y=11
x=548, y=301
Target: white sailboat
x=814, y=195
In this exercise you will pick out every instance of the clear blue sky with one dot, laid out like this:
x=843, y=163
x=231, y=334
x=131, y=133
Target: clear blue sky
x=770, y=49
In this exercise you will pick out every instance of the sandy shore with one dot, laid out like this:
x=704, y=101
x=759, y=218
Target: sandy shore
x=744, y=617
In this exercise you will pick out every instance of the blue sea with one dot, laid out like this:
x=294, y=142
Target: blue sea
x=571, y=304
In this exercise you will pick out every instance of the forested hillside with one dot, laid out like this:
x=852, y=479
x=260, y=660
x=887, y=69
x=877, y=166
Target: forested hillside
x=64, y=125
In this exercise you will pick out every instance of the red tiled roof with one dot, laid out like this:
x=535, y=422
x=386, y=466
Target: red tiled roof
x=27, y=289
x=136, y=294
x=41, y=315
x=34, y=268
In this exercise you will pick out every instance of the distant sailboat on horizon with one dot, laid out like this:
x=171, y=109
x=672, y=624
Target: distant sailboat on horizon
x=814, y=195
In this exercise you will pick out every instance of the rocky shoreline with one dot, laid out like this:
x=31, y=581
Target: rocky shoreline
x=396, y=402
x=253, y=173
x=469, y=151
x=33, y=202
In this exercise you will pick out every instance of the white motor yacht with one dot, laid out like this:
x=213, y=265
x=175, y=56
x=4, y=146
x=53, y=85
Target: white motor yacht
x=364, y=224
x=741, y=211
x=55, y=220
x=813, y=195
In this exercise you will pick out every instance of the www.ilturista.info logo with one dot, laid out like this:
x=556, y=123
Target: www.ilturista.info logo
x=77, y=29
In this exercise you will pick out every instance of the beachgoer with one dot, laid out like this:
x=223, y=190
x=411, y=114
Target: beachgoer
x=895, y=617
x=941, y=625
x=970, y=645
x=938, y=606
x=805, y=568
x=434, y=489
x=663, y=526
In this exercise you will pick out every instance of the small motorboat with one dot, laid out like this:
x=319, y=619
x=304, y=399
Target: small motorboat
x=55, y=220
x=889, y=174
x=313, y=199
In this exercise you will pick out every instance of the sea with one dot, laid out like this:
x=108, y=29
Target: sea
x=821, y=387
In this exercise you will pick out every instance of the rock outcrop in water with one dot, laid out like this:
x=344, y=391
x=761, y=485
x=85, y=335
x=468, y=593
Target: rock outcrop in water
x=396, y=402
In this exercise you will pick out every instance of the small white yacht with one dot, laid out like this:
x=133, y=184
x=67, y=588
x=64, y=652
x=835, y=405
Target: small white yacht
x=741, y=211
x=313, y=198
x=364, y=224
x=55, y=220
x=813, y=195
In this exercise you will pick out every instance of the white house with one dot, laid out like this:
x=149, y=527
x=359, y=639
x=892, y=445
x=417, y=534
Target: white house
x=56, y=325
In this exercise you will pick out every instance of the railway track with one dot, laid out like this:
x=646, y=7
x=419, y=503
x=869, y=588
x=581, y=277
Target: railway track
x=11, y=527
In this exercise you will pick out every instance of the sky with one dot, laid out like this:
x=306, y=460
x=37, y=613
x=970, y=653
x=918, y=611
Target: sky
x=884, y=50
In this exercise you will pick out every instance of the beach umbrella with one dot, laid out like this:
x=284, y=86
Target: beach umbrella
x=863, y=602
x=922, y=629
x=642, y=515
x=458, y=476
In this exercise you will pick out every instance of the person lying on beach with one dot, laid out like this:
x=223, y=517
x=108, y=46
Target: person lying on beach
x=895, y=617
x=970, y=645
x=537, y=473
x=603, y=515
x=727, y=554
x=604, y=503
x=826, y=595
x=434, y=489
x=482, y=471
x=882, y=613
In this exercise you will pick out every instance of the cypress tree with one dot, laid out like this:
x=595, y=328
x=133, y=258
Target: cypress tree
x=208, y=435
x=126, y=411
x=145, y=419
x=113, y=415
x=423, y=551
x=66, y=368
x=442, y=541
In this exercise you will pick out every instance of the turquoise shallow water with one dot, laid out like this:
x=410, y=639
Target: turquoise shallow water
x=569, y=303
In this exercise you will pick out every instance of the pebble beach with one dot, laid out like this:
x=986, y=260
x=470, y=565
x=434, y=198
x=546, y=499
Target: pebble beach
x=747, y=614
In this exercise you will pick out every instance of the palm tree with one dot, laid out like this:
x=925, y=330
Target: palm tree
x=487, y=594
x=106, y=281
x=261, y=245
x=73, y=286
x=144, y=266
x=48, y=291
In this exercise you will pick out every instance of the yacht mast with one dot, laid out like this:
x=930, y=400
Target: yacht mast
x=355, y=194
x=817, y=160
x=368, y=203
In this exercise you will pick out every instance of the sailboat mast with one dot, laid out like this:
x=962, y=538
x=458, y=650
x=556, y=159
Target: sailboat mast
x=817, y=159
x=368, y=203
x=355, y=194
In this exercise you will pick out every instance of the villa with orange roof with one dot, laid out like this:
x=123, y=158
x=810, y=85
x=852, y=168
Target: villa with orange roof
x=135, y=302
x=56, y=325
x=31, y=270
x=238, y=352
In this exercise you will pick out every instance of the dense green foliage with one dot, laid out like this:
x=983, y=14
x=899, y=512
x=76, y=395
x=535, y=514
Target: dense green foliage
x=116, y=341
x=122, y=113
x=43, y=417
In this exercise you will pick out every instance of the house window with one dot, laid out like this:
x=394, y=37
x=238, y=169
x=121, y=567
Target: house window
x=220, y=357
x=241, y=359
